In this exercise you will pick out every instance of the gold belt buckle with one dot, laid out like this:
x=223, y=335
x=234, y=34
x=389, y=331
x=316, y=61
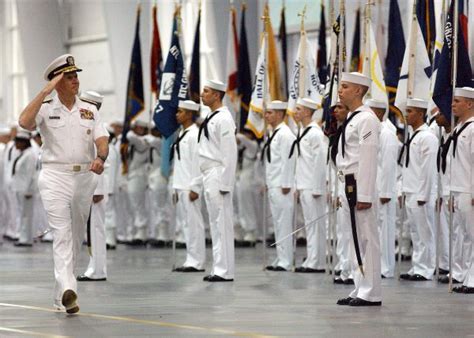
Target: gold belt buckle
x=76, y=168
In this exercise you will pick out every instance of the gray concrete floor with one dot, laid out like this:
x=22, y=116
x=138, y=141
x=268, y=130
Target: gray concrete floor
x=143, y=298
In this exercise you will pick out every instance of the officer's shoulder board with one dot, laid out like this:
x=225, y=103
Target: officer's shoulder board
x=47, y=101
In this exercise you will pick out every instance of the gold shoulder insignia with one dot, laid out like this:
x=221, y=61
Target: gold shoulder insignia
x=86, y=114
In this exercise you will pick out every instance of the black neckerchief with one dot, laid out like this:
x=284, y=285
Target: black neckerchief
x=443, y=151
x=175, y=146
x=203, y=126
x=343, y=131
x=406, y=146
x=267, y=147
x=456, y=135
x=296, y=143
x=16, y=161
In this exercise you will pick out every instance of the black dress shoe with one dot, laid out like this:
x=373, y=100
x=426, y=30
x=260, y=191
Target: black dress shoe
x=349, y=281
x=463, y=289
x=418, y=278
x=110, y=247
x=337, y=273
x=180, y=245
x=137, y=242
x=344, y=301
x=279, y=268
x=10, y=238
x=270, y=268
x=216, y=278
x=405, y=276
x=206, y=278
x=23, y=245
x=311, y=270
x=191, y=269
x=338, y=281
x=362, y=302
x=443, y=271
x=84, y=278
x=445, y=280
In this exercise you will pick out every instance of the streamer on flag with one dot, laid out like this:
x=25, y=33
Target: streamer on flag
x=232, y=97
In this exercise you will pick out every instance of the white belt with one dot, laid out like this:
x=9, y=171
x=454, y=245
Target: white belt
x=209, y=164
x=76, y=168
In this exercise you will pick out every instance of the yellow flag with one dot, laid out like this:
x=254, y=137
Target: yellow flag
x=272, y=59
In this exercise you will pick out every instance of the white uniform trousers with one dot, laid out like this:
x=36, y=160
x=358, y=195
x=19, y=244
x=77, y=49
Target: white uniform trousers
x=403, y=231
x=444, y=235
x=249, y=200
x=367, y=286
x=97, y=267
x=110, y=221
x=67, y=198
x=344, y=240
x=124, y=215
x=386, y=220
x=220, y=210
x=137, y=186
x=421, y=223
x=159, y=207
x=25, y=210
x=189, y=215
x=13, y=221
x=40, y=219
x=463, y=220
x=314, y=208
x=281, y=207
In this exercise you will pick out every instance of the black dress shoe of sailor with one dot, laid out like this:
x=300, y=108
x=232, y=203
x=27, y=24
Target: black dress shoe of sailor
x=180, y=245
x=110, y=247
x=24, y=245
x=84, y=278
x=405, y=276
x=464, y=289
x=363, y=302
x=445, y=280
x=216, y=278
x=338, y=281
x=137, y=242
x=443, y=271
x=206, y=278
x=191, y=269
x=344, y=301
x=300, y=269
x=349, y=281
x=418, y=278
x=270, y=268
x=279, y=268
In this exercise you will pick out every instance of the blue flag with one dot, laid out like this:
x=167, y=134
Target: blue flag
x=244, y=77
x=135, y=99
x=426, y=18
x=174, y=87
x=322, y=50
x=195, y=72
x=443, y=90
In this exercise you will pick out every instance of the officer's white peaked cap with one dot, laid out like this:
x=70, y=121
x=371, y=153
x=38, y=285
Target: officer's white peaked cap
x=464, y=92
x=62, y=64
x=216, y=85
x=417, y=103
x=376, y=104
x=189, y=105
x=91, y=97
x=277, y=105
x=357, y=78
x=308, y=103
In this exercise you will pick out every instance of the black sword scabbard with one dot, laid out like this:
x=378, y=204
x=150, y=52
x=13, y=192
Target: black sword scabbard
x=351, y=195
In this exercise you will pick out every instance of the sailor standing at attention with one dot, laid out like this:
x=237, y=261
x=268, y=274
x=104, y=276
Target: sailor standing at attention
x=357, y=165
x=70, y=129
x=218, y=163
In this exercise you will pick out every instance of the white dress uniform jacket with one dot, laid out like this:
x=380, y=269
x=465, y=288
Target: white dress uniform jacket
x=65, y=183
x=218, y=163
x=360, y=158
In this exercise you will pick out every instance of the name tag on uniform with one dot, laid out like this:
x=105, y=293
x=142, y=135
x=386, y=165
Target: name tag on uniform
x=86, y=114
x=54, y=117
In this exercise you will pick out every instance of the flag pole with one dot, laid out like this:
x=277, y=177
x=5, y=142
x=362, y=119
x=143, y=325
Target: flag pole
x=150, y=117
x=451, y=199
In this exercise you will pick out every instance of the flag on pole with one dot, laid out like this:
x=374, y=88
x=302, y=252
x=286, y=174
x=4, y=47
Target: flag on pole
x=355, y=56
x=156, y=59
x=443, y=90
x=274, y=80
x=322, y=51
x=135, y=100
x=371, y=65
x=284, y=51
x=232, y=96
x=244, y=79
x=470, y=35
x=426, y=18
x=414, y=81
x=394, y=60
x=174, y=86
x=195, y=70
x=255, y=120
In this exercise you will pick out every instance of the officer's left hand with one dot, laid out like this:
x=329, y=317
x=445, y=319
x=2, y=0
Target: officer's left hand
x=421, y=202
x=97, y=166
x=384, y=200
x=285, y=191
x=97, y=198
x=363, y=205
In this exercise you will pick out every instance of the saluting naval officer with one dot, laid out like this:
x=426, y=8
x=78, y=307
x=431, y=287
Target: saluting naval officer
x=218, y=163
x=357, y=163
x=309, y=149
x=462, y=179
x=280, y=179
x=70, y=128
x=187, y=185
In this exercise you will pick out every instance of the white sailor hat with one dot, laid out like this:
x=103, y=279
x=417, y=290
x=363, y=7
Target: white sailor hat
x=216, y=85
x=4, y=129
x=464, y=92
x=417, y=103
x=62, y=64
x=23, y=134
x=140, y=122
x=117, y=123
x=109, y=128
x=189, y=105
x=376, y=104
x=308, y=103
x=357, y=78
x=277, y=105
x=92, y=97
